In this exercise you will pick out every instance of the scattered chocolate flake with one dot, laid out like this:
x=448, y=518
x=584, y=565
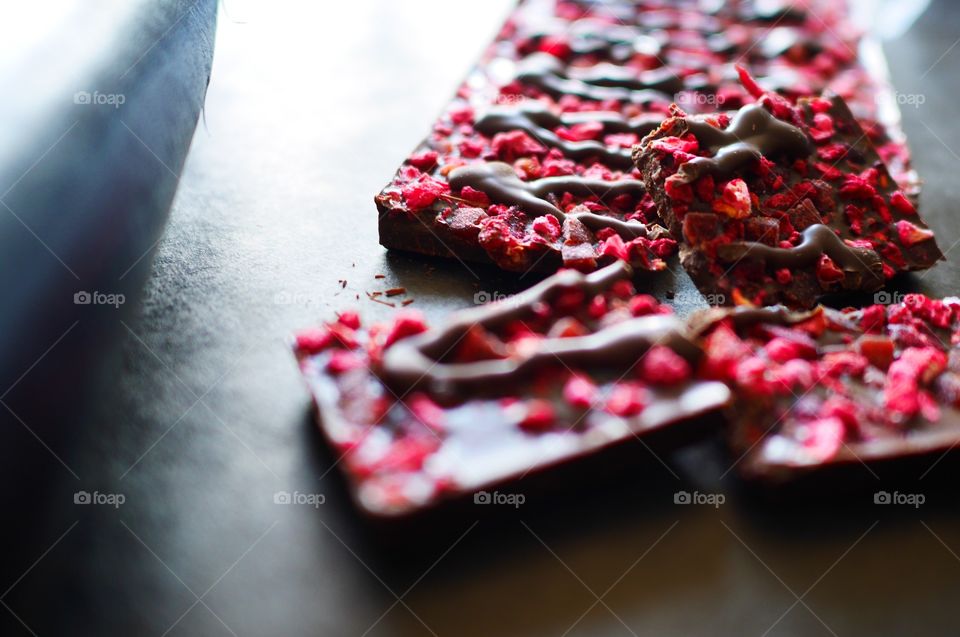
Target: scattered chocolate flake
x=396, y=291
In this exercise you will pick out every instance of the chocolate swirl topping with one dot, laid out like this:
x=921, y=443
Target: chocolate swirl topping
x=414, y=363
x=612, y=40
x=598, y=83
x=537, y=120
x=754, y=132
x=499, y=181
x=818, y=240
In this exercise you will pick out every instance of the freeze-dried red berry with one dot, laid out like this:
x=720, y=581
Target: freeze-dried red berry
x=538, y=415
x=662, y=366
x=407, y=323
x=626, y=400
x=580, y=392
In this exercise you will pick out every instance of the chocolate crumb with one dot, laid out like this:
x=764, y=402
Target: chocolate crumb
x=396, y=291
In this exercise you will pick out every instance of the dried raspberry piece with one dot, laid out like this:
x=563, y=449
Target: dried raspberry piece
x=781, y=349
x=547, y=227
x=873, y=318
x=844, y=409
x=472, y=147
x=827, y=270
x=343, y=335
x=794, y=376
x=877, y=349
x=478, y=344
x=350, y=319
x=677, y=190
x=342, y=360
x=585, y=131
x=462, y=114
x=580, y=392
x=463, y=221
x=538, y=416
x=423, y=192
x=426, y=160
x=406, y=323
x=750, y=375
x=598, y=307
x=823, y=438
x=614, y=247
x=910, y=235
x=899, y=201
x=916, y=366
x=555, y=45
x=313, y=340
x=514, y=144
x=835, y=364
x=734, y=200
x=662, y=366
x=723, y=349
x=643, y=305
x=626, y=400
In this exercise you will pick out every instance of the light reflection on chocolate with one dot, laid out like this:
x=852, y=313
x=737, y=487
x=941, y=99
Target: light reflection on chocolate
x=753, y=132
x=414, y=363
x=598, y=83
x=500, y=182
x=538, y=121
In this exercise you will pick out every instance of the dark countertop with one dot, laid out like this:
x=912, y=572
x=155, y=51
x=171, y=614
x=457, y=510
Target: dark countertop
x=309, y=111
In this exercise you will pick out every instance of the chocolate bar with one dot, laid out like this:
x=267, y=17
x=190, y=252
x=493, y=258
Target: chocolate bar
x=529, y=167
x=568, y=369
x=825, y=390
x=780, y=204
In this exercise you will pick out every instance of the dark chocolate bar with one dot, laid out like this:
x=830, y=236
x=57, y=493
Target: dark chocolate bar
x=568, y=369
x=529, y=167
x=779, y=204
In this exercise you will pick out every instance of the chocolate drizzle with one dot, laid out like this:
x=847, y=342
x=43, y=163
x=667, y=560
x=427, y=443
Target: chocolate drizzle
x=754, y=132
x=611, y=40
x=537, y=120
x=598, y=83
x=499, y=181
x=818, y=240
x=414, y=363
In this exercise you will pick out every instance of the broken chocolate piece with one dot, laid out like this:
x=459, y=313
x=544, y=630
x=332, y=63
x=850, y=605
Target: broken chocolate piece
x=568, y=369
x=782, y=203
x=828, y=389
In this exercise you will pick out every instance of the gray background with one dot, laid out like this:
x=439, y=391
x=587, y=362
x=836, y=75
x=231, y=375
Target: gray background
x=310, y=109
